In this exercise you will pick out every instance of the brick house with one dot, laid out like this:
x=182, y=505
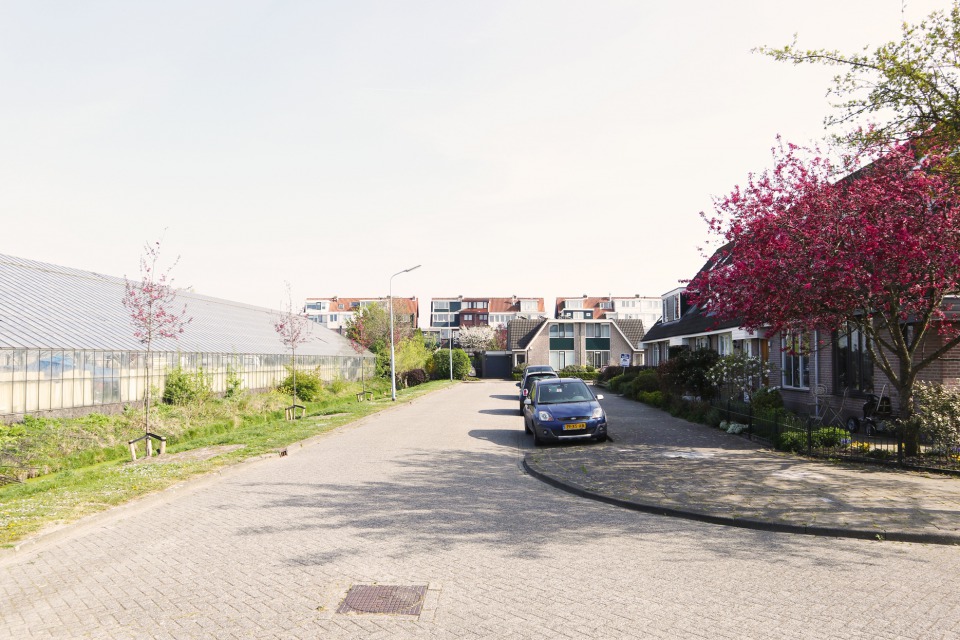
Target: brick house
x=334, y=313
x=460, y=312
x=564, y=342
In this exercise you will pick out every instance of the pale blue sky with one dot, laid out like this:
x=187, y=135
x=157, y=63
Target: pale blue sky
x=332, y=144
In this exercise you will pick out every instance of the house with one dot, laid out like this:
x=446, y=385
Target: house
x=334, y=313
x=564, y=342
x=686, y=325
x=827, y=373
x=610, y=307
x=448, y=315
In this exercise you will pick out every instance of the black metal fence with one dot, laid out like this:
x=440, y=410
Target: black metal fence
x=785, y=430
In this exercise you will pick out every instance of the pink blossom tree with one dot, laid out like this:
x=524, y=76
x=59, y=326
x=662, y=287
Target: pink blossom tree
x=294, y=330
x=878, y=250
x=152, y=303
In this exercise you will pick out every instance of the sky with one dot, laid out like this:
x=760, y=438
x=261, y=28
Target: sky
x=538, y=148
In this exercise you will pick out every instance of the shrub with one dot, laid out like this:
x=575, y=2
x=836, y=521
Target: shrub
x=617, y=383
x=829, y=437
x=793, y=441
x=441, y=364
x=414, y=377
x=653, y=398
x=765, y=398
x=647, y=380
x=578, y=371
x=309, y=384
x=182, y=388
x=686, y=372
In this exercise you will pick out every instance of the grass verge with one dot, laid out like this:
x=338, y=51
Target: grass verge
x=77, y=491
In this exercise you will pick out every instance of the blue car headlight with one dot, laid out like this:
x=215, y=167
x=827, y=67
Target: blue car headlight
x=544, y=416
x=597, y=413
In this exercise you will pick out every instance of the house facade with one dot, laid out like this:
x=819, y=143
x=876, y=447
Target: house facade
x=335, y=312
x=609, y=307
x=449, y=315
x=564, y=342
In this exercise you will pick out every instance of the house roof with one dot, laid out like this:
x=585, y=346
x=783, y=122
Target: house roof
x=695, y=320
x=521, y=331
x=400, y=305
x=45, y=306
x=632, y=330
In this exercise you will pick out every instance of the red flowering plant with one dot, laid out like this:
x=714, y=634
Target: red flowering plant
x=878, y=250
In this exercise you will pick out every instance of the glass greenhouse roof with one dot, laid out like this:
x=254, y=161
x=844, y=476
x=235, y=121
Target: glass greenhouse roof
x=43, y=306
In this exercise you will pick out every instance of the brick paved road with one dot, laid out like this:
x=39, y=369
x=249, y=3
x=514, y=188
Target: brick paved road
x=432, y=493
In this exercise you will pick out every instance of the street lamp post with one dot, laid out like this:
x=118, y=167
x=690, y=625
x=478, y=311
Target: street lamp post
x=393, y=364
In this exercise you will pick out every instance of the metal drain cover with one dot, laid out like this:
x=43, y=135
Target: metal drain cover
x=382, y=598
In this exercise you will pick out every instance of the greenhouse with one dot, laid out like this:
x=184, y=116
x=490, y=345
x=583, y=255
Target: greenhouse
x=67, y=344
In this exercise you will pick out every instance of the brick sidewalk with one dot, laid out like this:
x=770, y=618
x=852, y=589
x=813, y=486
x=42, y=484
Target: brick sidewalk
x=661, y=464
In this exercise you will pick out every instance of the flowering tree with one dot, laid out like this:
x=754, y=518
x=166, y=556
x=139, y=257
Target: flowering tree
x=294, y=330
x=477, y=338
x=151, y=302
x=878, y=250
x=739, y=372
x=500, y=338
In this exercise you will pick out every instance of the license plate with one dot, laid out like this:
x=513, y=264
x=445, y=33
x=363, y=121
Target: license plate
x=575, y=426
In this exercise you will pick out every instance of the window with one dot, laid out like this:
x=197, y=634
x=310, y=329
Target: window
x=529, y=306
x=795, y=361
x=598, y=358
x=671, y=308
x=482, y=317
x=853, y=365
x=725, y=344
x=561, y=331
x=467, y=317
x=701, y=342
x=598, y=331
x=441, y=305
x=560, y=359
x=606, y=305
x=574, y=304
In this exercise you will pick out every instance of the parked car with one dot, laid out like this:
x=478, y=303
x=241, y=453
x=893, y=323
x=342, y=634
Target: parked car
x=559, y=409
x=528, y=381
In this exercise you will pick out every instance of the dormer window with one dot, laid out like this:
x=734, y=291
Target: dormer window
x=673, y=305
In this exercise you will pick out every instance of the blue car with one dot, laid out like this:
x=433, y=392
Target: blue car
x=560, y=409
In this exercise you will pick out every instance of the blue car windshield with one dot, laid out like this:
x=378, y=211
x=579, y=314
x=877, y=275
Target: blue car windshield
x=560, y=393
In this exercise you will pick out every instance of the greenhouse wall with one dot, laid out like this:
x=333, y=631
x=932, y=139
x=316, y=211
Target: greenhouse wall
x=61, y=382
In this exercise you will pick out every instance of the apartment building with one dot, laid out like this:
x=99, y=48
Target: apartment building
x=333, y=313
x=636, y=307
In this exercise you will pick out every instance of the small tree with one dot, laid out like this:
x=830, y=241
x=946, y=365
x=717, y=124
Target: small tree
x=152, y=303
x=739, y=372
x=294, y=330
x=477, y=338
x=500, y=337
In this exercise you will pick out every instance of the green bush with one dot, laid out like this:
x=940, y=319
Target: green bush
x=765, y=398
x=309, y=385
x=183, y=388
x=441, y=364
x=578, y=371
x=793, y=441
x=617, y=383
x=829, y=437
x=647, y=380
x=652, y=398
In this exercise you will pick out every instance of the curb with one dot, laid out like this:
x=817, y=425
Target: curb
x=744, y=523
